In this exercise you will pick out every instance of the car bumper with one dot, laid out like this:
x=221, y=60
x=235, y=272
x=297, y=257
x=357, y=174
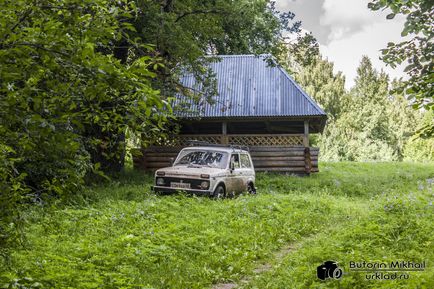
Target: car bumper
x=159, y=189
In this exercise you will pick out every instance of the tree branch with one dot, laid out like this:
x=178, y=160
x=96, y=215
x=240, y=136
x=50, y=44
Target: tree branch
x=21, y=20
x=69, y=8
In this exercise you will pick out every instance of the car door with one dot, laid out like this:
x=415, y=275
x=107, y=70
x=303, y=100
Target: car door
x=246, y=170
x=235, y=181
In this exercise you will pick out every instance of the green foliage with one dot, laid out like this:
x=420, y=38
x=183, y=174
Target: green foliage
x=121, y=235
x=302, y=52
x=372, y=121
x=304, y=61
x=364, y=127
x=418, y=51
x=12, y=191
x=373, y=124
x=185, y=31
x=420, y=149
x=64, y=98
x=327, y=88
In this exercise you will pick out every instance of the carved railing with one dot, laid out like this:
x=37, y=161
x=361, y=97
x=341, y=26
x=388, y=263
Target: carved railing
x=276, y=140
x=267, y=140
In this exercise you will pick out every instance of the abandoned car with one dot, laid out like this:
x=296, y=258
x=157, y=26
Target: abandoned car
x=216, y=171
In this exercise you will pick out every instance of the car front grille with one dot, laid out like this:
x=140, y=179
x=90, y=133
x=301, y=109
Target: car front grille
x=194, y=183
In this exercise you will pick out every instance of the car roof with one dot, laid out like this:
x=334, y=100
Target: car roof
x=216, y=148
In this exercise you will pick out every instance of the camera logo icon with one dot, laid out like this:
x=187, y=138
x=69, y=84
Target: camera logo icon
x=329, y=269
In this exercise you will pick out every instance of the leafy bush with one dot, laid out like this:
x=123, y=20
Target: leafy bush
x=65, y=100
x=420, y=148
x=12, y=191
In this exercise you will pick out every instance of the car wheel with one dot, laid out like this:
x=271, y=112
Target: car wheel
x=219, y=192
x=251, y=189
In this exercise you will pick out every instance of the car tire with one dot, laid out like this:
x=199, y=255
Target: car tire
x=251, y=189
x=219, y=192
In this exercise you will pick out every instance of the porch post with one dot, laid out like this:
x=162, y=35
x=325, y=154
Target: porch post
x=224, y=139
x=306, y=134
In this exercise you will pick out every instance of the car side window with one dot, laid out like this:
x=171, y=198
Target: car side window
x=245, y=161
x=235, y=159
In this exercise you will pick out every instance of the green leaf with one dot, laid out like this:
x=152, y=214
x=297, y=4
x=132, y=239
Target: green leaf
x=409, y=90
x=405, y=31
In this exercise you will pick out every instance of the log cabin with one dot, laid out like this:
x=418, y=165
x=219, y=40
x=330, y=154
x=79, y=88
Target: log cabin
x=258, y=105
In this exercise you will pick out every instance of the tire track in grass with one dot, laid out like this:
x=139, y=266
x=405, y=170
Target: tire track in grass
x=262, y=268
x=279, y=256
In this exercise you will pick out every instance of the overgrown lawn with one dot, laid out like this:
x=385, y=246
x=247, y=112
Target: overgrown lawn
x=121, y=235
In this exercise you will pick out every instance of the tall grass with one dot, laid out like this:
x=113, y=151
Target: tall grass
x=121, y=235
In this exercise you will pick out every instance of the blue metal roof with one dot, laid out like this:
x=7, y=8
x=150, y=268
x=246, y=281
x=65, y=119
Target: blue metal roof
x=249, y=87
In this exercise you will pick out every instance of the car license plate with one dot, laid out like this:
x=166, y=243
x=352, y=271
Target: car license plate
x=180, y=185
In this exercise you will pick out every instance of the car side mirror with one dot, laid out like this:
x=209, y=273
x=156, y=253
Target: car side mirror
x=232, y=166
x=171, y=160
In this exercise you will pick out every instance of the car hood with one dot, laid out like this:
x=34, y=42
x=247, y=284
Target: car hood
x=185, y=171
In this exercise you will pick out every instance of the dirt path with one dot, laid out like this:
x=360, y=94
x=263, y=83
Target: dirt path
x=275, y=260
x=262, y=267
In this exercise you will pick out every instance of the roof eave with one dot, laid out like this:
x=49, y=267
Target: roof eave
x=318, y=121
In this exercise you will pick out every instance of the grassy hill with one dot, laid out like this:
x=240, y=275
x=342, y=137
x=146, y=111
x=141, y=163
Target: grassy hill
x=121, y=235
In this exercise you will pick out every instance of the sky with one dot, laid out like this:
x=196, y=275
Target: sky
x=346, y=30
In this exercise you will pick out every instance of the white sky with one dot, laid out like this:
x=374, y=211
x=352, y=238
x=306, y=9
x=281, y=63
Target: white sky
x=346, y=30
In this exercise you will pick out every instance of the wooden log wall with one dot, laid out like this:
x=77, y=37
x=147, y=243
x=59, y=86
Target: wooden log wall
x=298, y=160
x=285, y=159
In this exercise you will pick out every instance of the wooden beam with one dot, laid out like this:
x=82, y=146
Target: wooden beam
x=243, y=134
x=306, y=134
x=225, y=139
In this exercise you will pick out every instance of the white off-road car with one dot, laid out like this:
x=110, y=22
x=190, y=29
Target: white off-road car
x=216, y=171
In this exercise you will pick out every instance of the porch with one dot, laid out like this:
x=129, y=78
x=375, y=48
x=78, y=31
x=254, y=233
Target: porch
x=269, y=152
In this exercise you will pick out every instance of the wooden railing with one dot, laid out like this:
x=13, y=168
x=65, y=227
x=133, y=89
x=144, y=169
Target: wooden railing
x=275, y=140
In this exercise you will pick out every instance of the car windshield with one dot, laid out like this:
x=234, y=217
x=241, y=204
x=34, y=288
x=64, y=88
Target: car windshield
x=213, y=159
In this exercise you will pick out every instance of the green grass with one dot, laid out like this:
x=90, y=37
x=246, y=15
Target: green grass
x=123, y=236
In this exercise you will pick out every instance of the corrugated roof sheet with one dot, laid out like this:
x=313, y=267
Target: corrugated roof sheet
x=249, y=87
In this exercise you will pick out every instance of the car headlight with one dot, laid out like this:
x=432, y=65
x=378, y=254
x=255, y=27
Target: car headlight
x=160, y=181
x=204, y=185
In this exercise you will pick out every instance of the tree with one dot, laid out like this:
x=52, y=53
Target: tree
x=63, y=96
x=326, y=87
x=404, y=120
x=418, y=51
x=302, y=52
x=363, y=131
x=314, y=74
x=420, y=149
x=373, y=121
x=184, y=32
